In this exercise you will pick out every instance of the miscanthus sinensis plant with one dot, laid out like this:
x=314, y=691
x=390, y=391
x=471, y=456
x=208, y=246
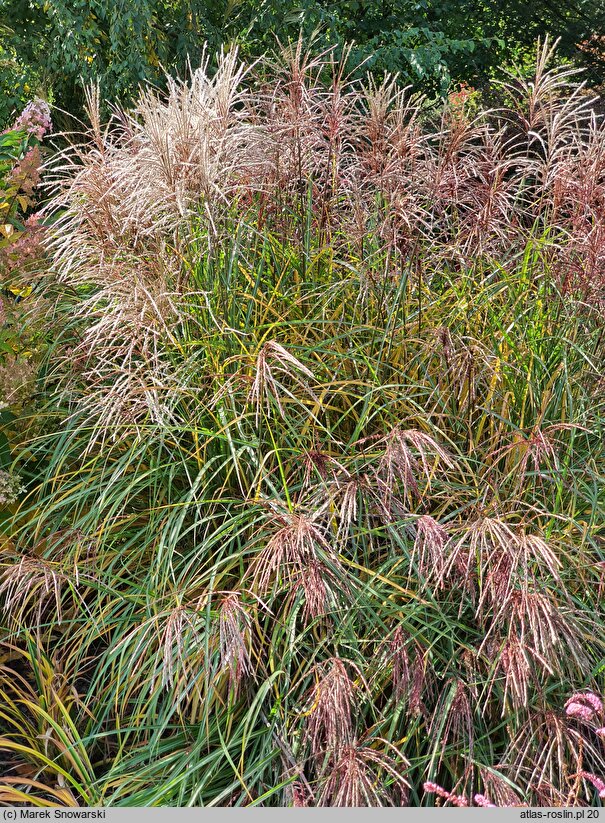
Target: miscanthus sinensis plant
x=315, y=514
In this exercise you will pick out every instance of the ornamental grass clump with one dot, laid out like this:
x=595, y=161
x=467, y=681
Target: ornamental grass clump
x=313, y=514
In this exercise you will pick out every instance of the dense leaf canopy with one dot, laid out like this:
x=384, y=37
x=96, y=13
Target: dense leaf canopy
x=53, y=47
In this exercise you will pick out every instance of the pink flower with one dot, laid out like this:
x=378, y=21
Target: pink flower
x=577, y=710
x=454, y=799
x=597, y=782
x=584, y=705
x=26, y=173
x=35, y=118
x=481, y=800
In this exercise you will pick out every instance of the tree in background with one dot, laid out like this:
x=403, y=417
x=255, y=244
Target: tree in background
x=53, y=48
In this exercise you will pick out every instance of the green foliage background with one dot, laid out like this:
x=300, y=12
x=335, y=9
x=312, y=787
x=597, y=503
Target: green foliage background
x=50, y=48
